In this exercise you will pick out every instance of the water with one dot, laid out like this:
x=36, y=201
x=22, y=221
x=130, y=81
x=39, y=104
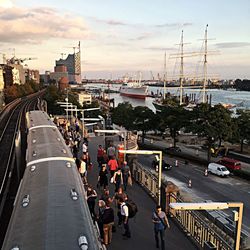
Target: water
x=239, y=98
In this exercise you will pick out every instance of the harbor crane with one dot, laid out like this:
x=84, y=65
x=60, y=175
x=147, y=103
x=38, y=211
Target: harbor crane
x=15, y=60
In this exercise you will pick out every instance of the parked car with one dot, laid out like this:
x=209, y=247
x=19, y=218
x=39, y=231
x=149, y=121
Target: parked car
x=165, y=166
x=231, y=164
x=218, y=169
x=173, y=149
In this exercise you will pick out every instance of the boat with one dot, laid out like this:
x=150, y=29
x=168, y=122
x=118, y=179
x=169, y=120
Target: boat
x=188, y=102
x=134, y=89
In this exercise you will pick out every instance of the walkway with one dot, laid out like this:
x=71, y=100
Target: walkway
x=141, y=226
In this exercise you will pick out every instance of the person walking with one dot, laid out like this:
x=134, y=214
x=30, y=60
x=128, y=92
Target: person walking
x=101, y=208
x=103, y=178
x=111, y=152
x=119, y=194
x=126, y=174
x=118, y=179
x=113, y=165
x=91, y=197
x=160, y=221
x=100, y=152
x=108, y=222
x=125, y=214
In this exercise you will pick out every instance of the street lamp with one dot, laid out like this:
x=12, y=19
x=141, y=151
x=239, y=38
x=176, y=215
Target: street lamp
x=149, y=152
x=216, y=206
x=82, y=111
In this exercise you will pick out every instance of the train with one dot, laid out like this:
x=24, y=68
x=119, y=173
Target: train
x=50, y=209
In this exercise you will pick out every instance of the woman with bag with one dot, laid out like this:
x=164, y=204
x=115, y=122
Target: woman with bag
x=118, y=179
x=91, y=197
x=160, y=221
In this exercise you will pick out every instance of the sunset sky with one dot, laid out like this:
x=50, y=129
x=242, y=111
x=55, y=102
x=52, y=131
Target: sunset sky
x=119, y=37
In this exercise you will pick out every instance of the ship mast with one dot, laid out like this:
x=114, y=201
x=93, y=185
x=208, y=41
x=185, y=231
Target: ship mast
x=181, y=70
x=165, y=73
x=205, y=69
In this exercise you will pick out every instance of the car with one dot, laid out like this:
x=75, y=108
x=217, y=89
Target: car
x=218, y=169
x=173, y=149
x=231, y=164
x=165, y=166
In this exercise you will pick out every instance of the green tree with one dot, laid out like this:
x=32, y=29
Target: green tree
x=174, y=118
x=243, y=123
x=213, y=123
x=144, y=119
x=123, y=115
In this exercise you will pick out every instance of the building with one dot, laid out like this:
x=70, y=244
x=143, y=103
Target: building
x=45, y=78
x=73, y=65
x=84, y=98
x=32, y=74
x=7, y=75
x=56, y=76
x=18, y=73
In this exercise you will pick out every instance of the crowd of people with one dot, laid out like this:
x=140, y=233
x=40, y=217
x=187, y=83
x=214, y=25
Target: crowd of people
x=111, y=172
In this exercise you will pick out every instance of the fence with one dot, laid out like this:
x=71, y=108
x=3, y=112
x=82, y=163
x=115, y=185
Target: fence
x=203, y=232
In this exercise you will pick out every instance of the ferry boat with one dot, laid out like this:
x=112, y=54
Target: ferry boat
x=134, y=89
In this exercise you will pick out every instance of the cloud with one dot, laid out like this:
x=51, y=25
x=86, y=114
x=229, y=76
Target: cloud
x=229, y=45
x=172, y=25
x=6, y=3
x=160, y=48
x=109, y=21
x=35, y=25
x=143, y=36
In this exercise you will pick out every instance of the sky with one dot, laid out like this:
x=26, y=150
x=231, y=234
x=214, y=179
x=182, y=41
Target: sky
x=125, y=37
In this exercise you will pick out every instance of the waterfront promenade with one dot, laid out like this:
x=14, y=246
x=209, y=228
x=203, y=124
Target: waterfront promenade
x=141, y=226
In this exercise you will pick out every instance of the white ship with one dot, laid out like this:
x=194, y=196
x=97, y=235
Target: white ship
x=134, y=89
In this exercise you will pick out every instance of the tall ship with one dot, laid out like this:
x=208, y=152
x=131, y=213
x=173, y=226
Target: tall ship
x=134, y=89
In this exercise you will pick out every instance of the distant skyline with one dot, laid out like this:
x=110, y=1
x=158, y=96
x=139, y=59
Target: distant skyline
x=120, y=37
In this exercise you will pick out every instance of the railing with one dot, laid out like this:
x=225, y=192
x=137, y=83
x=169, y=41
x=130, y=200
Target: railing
x=194, y=224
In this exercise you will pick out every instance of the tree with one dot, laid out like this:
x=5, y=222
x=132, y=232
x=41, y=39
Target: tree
x=123, y=115
x=212, y=123
x=243, y=123
x=143, y=120
x=174, y=118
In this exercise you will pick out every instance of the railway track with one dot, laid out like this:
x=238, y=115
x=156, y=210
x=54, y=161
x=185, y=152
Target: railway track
x=12, y=128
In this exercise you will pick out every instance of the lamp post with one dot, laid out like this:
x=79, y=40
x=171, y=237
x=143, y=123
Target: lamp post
x=216, y=206
x=82, y=111
x=150, y=152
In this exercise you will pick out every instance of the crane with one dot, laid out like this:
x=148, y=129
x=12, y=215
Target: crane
x=15, y=60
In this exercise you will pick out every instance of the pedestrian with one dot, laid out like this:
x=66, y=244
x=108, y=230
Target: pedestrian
x=126, y=174
x=101, y=207
x=83, y=171
x=160, y=221
x=108, y=222
x=118, y=179
x=113, y=165
x=105, y=158
x=111, y=152
x=75, y=150
x=103, y=178
x=119, y=194
x=106, y=196
x=100, y=153
x=125, y=220
x=84, y=148
x=91, y=197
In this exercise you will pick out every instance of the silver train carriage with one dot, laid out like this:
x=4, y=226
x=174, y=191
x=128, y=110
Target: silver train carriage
x=50, y=210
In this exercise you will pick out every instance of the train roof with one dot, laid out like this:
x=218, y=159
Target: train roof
x=50, y=210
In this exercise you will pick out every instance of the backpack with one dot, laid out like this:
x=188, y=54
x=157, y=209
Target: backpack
x=132, y=208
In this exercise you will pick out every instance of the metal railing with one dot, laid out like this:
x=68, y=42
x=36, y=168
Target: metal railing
x=194, y=224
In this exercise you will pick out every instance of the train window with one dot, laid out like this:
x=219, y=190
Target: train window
x=34, y=153
x=32, y=168
x=15, y=248
x=34, y=141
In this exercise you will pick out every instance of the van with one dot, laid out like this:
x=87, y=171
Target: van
x=218, y=169
x=231, y=164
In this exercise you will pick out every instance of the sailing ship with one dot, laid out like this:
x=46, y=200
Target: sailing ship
x=181, y=100
x=134, y=89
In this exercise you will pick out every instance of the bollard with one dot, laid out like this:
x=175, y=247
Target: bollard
x=205, y=172
x=176, y=163
x=190, y=183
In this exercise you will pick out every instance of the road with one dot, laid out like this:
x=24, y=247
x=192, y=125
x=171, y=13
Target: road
x=206, y=188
